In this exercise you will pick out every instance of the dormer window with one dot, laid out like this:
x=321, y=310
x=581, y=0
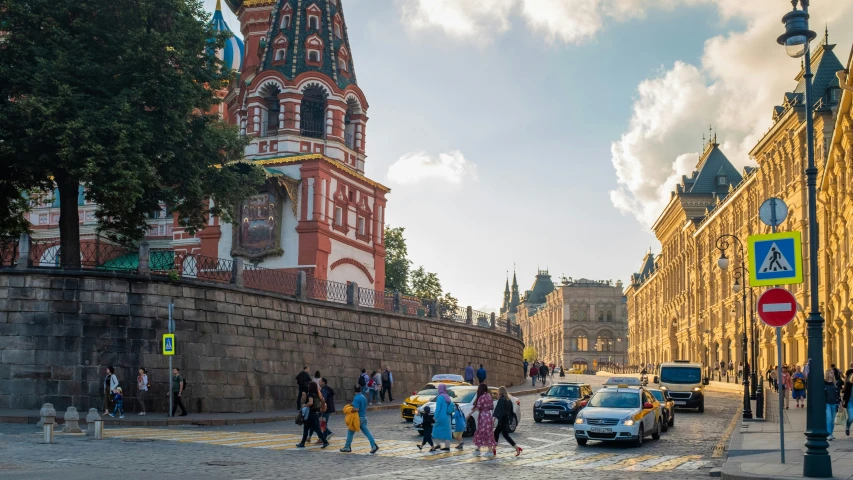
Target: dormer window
x=338, y=26
x=286, y=15
x=280, y=48
x=343, y=61
x=313, y=23
x=721, y=180
x=279, y=54
x=313, y=48
x=342, y=64
x=313, y=56
x=285, y=21
x=313, y=13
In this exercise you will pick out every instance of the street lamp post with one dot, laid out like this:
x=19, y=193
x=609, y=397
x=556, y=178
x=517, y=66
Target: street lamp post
x=816, y=461
x=738, y=273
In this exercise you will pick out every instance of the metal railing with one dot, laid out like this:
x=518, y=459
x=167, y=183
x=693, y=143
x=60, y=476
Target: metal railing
x=312, y=129
x=95, y=252
x=321, y=289
x=278, y=281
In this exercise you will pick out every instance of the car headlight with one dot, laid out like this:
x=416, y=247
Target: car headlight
x=697, y=389
x=628, y=422
x=579, y=419
x=537, y=403
x=663, y=388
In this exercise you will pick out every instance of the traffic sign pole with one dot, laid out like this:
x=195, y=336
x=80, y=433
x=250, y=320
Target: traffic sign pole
x=779, y=366
x=171, y=330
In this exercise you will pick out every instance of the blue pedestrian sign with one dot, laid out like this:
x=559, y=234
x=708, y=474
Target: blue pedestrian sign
x=775, y=259
x=169, y=344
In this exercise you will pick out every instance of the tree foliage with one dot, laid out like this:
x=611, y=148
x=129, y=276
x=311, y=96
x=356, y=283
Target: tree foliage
x=397, y=263
x=116, y=96
x=425, y=284
x=530, y=354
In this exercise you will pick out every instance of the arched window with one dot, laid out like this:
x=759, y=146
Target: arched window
x=578, y=342
x=609, y=315
x=285, y=21
x=312, y=113
x=601, y=315
x=342, y=64
x=314, y=55
x=270, y=111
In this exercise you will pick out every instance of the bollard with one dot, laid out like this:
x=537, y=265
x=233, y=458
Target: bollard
x=759, y=400
x=94, y=424
x=72, y=421
x=48, y=421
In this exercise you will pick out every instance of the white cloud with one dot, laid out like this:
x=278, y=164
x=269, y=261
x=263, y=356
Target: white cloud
x=461, y=19
x=741, y=76
x=450, y=167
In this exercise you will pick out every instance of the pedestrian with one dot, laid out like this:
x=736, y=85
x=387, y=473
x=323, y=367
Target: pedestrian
x=177, y=390
x=534, y=374
x=313, y=403
x=359, y=405
x=740, y=370
x=798, y=380
x=371, y=388
x=787, y=386
x=503, y=413
x=459, y=426
x=807, y=369
x=318, y=379
x=774, y=380
x=483, y=405
x=441, y=432
x=543, y=373
x=526, y=366
x=362, y=382
x=481, y=374
x=469, y=374
x=142, y=386
x=302, y=381
x=551, y=369
x=119, y=403
x=328, y=395
x=426, y=426
x=562, y=372
x=377, y=386
x=387, y=382
x=845, y=399
x=110, y=384
x=830, y=389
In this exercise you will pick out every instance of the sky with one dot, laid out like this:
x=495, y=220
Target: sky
x=547, y=134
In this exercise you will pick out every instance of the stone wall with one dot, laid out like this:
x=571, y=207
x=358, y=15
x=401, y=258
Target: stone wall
x=239, y=349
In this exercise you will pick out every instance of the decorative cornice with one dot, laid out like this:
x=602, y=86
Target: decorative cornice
x=271, y=162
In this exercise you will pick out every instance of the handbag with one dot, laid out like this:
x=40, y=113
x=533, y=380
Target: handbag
x=300, y=419
x=841, y=417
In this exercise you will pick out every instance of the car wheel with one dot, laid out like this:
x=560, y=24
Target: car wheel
x=702, y=406
x=581, y=441
x=470, y=428
x=639, y=441
x=664, y=427
x=513, y=423
x=671, y=422
x=537, y=420
x=656, y=435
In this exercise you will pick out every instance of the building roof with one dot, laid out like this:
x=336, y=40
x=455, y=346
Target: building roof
x=824, y=66
x=542, y=286
x=232, y=54
x=712, y=166
x=646, y=269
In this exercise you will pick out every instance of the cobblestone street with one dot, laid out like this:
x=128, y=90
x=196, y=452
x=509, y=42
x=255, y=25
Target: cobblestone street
x=267, y=451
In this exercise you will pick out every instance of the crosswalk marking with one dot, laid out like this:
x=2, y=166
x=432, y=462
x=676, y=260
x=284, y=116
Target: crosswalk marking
x=554, y=455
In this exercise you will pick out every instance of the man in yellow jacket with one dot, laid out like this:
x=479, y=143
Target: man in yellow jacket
x=359, y=407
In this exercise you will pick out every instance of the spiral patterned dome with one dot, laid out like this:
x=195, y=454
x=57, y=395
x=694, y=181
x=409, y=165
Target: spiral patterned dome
x=232, y=54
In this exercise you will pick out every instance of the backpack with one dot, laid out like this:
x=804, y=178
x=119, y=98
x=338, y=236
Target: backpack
x=799, y=384
x=386, y=378
x=361, y=381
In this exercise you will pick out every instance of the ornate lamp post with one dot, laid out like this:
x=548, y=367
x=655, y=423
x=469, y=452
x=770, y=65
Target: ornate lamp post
x=816, y=461
x=723, y=263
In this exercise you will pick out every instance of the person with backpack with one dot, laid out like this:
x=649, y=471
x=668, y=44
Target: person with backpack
x=302, y=381
x=371, y=388
x=314, y=404
x=142, y=389
x=534, y=373
x=798, y=382
x=110, y=384
x=459, y=426
x=362, y=382
x=327, y=408
x=503, y=414
x=387, y=381
x=178, y=386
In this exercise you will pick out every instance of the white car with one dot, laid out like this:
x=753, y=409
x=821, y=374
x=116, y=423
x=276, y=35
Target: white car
x=464, y=398
x=621, y=413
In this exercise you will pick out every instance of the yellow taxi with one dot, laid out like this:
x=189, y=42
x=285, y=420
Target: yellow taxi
x=427, y=392
x=624, y=413
x=574, y=371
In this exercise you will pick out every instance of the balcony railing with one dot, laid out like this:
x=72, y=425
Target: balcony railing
x=312, y=129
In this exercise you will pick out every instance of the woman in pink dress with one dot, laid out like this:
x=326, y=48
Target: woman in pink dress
x=484, y=436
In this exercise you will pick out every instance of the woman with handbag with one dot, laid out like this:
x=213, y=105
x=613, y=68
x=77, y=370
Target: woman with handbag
x=311, y=422
x=503, y=413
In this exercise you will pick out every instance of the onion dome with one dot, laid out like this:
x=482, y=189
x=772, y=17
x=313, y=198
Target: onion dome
x=232, y=54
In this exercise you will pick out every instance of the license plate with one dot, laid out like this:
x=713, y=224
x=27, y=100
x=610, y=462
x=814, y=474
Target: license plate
x=681, y=403
x=551, y=412
x=601, y=430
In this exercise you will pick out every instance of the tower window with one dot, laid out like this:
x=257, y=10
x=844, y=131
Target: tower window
x=342, y=64
x=313, y=23
x=313, y=56
x=361, y=226
x=285, y=21
x=721, y=180
x=338, y=30
x=279, y=54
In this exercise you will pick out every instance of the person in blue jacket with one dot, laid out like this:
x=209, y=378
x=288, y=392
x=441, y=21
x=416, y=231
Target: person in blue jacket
x=443, y=412
x=459, y=424
x=481, y=374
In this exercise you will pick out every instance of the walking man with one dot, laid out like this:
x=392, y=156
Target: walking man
x=359, y=403
x=302, y=381
x=481, y=374
x=543, y=373
x=177, y=390
x=387, y=381
x=469, y=374
x=526, y=366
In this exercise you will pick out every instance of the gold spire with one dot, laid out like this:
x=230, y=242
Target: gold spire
x=218, y=5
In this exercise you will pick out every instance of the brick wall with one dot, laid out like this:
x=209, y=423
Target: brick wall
x=239, y=349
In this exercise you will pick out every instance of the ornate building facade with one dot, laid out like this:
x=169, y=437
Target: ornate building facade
x=682, y=306
x=580, y=323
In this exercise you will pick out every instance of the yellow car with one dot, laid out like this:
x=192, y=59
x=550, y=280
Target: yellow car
x=574, y=371
x=427, y=392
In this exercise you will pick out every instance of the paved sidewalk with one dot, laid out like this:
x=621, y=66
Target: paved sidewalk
x=213, y=419
x=754, y=447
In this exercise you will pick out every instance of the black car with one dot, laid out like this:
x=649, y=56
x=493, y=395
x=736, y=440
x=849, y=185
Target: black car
x=668, y=403
x=561, y=401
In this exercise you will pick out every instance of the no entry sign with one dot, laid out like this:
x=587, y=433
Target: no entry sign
x=777, y=307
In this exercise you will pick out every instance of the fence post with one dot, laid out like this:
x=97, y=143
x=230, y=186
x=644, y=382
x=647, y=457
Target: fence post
x=492, y=318
x=352, y=294
x=301, y=285
x=23, y=251
x=398, y=302
x=144, y=267
x=469, y=315
x=436, y=304
x=237, y=272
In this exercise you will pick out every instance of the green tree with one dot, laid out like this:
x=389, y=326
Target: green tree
x=530, y=354
x=115, y=95
x=397, y=263
x=425, y=284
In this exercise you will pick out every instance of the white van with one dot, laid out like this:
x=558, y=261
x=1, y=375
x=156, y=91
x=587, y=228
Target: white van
x=683, y=381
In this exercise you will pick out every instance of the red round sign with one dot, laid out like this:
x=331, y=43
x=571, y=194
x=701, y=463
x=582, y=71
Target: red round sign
x=777, y=307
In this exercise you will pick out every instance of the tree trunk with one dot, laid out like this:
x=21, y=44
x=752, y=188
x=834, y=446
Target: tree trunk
x=69, y=223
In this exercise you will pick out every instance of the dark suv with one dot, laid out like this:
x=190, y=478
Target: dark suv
x=561, y=402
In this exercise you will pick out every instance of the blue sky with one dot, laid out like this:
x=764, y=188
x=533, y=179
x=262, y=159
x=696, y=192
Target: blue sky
x=547, y=133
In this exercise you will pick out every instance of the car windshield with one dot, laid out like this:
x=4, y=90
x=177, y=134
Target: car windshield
x=658, y=394
x=680, y=374
x=428, y=391
x=615, y=400
x=458, y=397
x=563, y=391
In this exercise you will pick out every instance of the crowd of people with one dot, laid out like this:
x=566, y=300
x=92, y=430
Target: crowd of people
x=541, y=372
x=113, y=393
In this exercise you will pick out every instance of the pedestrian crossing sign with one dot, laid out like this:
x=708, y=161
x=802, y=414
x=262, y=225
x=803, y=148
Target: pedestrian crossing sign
x=168, y=344
x=775, y=259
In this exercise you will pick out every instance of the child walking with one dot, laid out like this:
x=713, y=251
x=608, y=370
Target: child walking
x=429, y=420
x=119, y=403
x=459, y=426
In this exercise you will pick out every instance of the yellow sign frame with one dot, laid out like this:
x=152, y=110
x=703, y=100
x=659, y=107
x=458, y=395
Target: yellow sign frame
x=754, y=265
x=170, y=336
